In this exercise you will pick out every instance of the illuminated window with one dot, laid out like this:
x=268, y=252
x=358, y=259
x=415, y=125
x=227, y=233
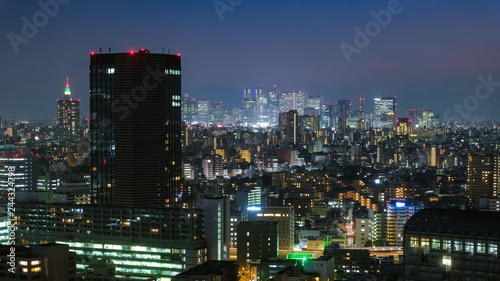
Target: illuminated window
x=458, y=246
x=36, y=269
x=446, y=244
x=37, y=262
x=25, y=270
x=493, y=249
x=110, y=71
x=436, y=244
x=481, y=248
x=425, y=243
x=469, y=247
x=24, y=263
x=414, y=242
x=446, y=261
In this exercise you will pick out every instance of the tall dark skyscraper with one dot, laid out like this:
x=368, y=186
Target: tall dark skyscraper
x=135, y=111
x=68, y=117
x=344, y=108
x=358, y=107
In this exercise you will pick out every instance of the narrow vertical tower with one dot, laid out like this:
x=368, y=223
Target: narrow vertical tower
x=67, y=91
x=135, y=108
x=68, y=118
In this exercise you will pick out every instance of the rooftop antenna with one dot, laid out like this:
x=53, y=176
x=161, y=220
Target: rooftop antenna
x=100, y=50
x=162, y=50
x=110, y=49
x=168, y=51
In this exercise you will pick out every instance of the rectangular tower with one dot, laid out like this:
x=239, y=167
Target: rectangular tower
x=135, y=111
x=68, y=117
x=483, y=181
x=385, y=112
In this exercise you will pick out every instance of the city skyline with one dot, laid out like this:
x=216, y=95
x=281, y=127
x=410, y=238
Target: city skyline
x=403, y=59
x=242, y=140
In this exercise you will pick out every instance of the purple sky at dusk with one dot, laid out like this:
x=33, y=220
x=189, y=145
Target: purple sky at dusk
x=430, y=54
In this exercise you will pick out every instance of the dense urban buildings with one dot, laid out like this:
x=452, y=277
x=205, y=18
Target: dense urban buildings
x=279, y=193
x=266, y=155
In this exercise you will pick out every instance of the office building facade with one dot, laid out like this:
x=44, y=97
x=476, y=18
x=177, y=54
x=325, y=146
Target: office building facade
x=148, y=242
x=284, y=216
x=217, y=226
x=398, y=213
x=447, y=244
x=384, y=112
x=135, y=119
x=257, y=240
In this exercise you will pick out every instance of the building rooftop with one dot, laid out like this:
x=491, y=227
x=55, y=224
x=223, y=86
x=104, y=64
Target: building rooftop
x=470, y=222
x=210, y=267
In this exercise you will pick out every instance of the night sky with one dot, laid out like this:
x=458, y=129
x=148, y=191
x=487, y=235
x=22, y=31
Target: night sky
x=430, y=54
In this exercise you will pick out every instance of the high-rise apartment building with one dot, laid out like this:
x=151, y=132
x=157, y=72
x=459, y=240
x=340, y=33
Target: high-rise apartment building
x=68, y=117
x=135, y=116
x=288, y=126
x=284, y=216
x=483, y=176
x=398, y=213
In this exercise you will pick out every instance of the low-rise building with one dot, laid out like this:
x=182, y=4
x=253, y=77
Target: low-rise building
x=442, y=244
